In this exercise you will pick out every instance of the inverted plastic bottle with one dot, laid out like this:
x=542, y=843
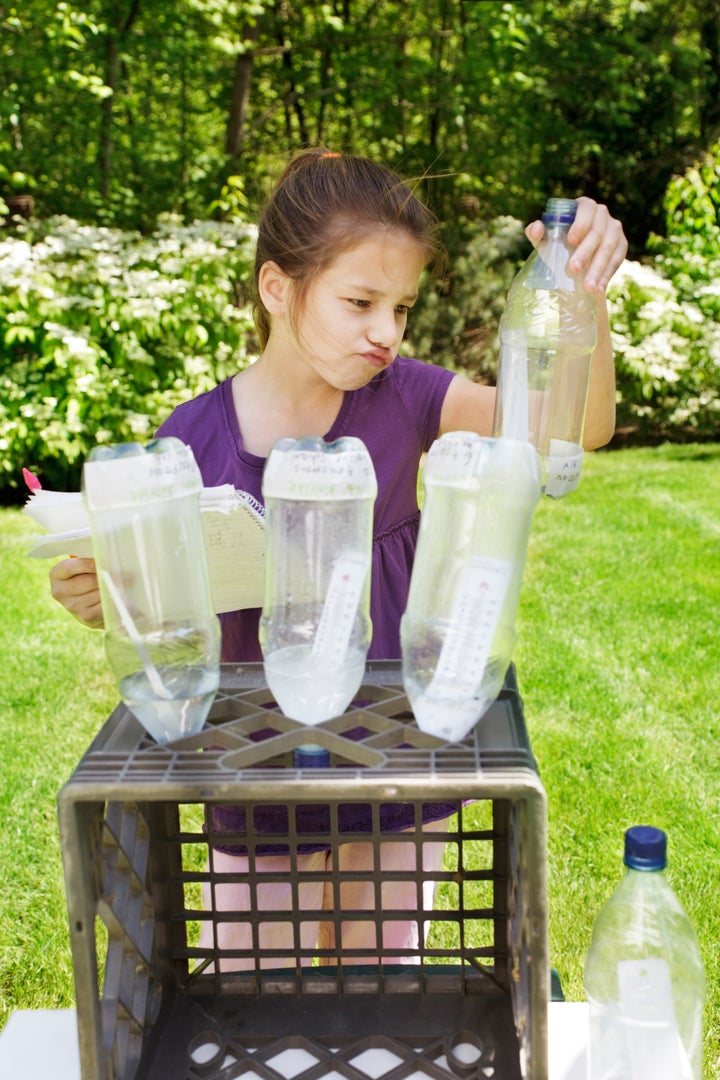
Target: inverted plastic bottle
x=548, y=332
x=458, y=631
x=162, y=637
x=644, y=975
x=315, y=627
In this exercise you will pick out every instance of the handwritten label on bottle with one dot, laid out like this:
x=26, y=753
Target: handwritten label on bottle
x=564, y=464
x=141, y=479
x=312, y=475
x=455, y=458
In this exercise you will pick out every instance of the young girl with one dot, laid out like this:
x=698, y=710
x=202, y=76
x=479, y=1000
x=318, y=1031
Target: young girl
x=342, y=246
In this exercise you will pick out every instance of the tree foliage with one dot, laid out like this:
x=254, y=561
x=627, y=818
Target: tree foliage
x=115, y=114
x=117, y=110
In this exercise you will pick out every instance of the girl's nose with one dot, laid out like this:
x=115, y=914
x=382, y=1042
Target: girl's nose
x=384, y=331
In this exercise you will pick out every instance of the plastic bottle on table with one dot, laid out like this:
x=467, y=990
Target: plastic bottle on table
x=548, y=332
x=458, y=631
x=315, y=627
x=644, y=975
x=162, y=636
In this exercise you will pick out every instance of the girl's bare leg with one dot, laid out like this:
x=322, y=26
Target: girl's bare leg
x=377, y=895
x=237, y=897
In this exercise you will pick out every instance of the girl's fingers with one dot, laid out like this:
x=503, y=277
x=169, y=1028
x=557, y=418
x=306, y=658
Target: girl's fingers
x=71, y=568
x=601, y=244
x=599, y=239
x=74, y=584
x=534, y=232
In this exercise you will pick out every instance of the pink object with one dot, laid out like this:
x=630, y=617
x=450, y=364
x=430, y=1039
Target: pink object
x=31, y=480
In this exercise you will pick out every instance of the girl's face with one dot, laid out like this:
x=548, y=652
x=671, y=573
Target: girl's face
x=353, y=317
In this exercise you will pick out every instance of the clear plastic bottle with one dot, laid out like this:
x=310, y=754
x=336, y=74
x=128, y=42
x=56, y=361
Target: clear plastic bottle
x=162, y=637
x=644, y=976
x=315, y=627
x=458, y=631
x=548, y=332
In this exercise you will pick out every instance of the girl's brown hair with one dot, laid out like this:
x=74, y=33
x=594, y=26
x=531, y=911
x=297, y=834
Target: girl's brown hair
x=324, y=204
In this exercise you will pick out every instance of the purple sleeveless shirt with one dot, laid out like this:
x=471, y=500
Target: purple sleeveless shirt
x=397, y=416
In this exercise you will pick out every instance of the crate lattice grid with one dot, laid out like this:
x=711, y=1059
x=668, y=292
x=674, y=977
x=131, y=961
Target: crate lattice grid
x=154, y=999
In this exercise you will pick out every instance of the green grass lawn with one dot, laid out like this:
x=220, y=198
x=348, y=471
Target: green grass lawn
x=618, y=661
x=619, y=664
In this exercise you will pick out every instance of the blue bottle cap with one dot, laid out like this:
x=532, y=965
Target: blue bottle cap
x=645, y=848
x=560, y=211
x=310, y=756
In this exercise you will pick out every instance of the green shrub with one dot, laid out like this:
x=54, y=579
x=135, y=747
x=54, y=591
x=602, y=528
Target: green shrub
x=456, y=323
x=104, y=332
x=667, y=357
x=666, y=316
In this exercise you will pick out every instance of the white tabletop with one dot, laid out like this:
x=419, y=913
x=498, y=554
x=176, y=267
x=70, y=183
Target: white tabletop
x=42, y=1045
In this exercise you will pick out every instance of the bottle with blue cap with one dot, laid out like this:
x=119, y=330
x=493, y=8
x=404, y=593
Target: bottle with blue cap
x=548, y=332
x=644, y=976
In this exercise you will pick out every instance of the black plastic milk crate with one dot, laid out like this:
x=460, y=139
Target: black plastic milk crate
x=156, y=999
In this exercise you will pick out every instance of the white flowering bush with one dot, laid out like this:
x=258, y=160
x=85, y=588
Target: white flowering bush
x=103, y=332
x=667, y=357
x=666, y=316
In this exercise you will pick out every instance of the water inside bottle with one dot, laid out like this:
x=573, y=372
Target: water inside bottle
x=452, y=670
x=309, y=688
x=439, y=711
x=190, y=693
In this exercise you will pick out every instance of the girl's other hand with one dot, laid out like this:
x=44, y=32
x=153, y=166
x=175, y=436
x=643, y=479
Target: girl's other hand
x=74, y=584
x=599, y=241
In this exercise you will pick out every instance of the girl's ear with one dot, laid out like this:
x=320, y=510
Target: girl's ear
x=273, y=288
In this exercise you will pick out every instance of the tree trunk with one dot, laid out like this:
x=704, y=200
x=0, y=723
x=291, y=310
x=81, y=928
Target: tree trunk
x=291, y=99
x=235, y=131
x=112, y=68
x=108, y=107
x=710, y=42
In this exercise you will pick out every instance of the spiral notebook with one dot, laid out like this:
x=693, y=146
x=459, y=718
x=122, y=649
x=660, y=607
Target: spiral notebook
x=233, y=523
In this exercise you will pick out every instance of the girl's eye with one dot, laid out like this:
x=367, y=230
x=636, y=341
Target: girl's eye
x=363, y=305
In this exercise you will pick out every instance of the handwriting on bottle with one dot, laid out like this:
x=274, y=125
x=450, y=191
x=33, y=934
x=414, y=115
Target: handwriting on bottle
x=311, y=475
x=564, y=465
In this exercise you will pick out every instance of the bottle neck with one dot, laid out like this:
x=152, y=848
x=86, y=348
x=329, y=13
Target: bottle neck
x=642, y=879
x=560, y=212
x=557, y=219
x=555, y=229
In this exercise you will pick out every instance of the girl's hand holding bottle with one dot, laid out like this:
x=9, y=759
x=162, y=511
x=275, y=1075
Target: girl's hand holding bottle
x=599, y=241
x=74, y=584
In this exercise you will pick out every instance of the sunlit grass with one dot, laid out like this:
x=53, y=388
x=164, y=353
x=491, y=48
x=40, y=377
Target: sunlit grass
x=54, y=694
x=618, y=658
